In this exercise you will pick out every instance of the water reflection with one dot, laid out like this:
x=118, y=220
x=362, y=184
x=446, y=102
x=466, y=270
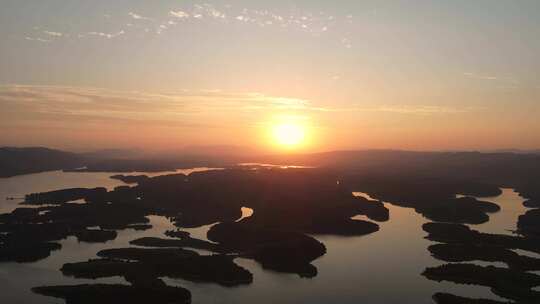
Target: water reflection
x=383, y=267
x=504, y=221
x=246, y=212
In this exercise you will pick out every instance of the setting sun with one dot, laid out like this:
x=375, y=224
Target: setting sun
x=313, y=139
x=288, y=134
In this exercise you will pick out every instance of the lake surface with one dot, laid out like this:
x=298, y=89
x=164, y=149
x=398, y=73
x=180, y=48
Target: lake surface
x=383, y=267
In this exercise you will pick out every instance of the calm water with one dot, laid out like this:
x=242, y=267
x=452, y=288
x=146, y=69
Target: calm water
x=383, y=267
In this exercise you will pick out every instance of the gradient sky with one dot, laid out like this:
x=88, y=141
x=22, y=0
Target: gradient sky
x=423, y=75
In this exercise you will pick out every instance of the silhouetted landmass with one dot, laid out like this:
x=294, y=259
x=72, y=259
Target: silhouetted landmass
x=531, y=188
x=26, y=252
x=415, y=191
x=471, y=252
x=130, y=179
x=32, y=242
x=36, y=229
x=287, y=204
x=284, y=251
x=113, y=154
x=504, y=282
x=277, y=250
x=155, y=263
x=139, y=227
x=463, y=172
x=461, y=234
x=95, y=235
x=217, y=196
x=529, y=223
x=145, y=165
x=531, y=204
x=344, y=227
x=17, y=161
x=177, y=233
x=107, y=216
x=63, y=196
x=422, y=178
x=460, y=210
x=142, y=254
x=155, y=292
x=187, y=242
x=446, y=298
x=465, y=244
x=433, y=198
x=33, y=233
x=501, y=169
x=283, y=200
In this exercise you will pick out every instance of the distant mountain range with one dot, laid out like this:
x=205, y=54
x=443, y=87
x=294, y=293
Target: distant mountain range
x=17, y=161
x=516, y=151
x=492, y=167
x=113, y=154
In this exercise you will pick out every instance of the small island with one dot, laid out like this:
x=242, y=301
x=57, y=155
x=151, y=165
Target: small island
x=154, y=292
x=472, y=252
x=446, y=298
x=504, y=282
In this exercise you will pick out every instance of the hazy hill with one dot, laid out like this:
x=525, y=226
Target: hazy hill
x=16, y=161
x=499, y=168
x=113, y=154
x=502, y=168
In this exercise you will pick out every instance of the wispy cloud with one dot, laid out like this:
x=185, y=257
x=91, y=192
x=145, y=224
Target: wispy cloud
x=179, y=14
x=104, y=103
x=482, y=77
x=37, y=39
x=397, y=109
x=501, y=82
x=40, y=35
x=54, y=34
x=315, y=24
x=422, y=109
x=110, y=104
x=138, y=17
x=106, y=35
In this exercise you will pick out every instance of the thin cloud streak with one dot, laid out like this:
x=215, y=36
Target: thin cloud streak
x=482, y=77
x=138, y=17
x=105, y=35
x=37, y=39
x=179, y=14
x=55, y=34
x=503, y=82
x=146, y=105
x=137, y=105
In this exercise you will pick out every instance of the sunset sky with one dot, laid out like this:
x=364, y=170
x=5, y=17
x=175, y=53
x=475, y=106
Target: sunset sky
x=422, y=75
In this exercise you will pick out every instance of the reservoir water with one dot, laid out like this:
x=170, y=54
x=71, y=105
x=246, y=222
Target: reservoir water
x=384, y=267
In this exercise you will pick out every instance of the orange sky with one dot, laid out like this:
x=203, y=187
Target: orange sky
x=365, y=74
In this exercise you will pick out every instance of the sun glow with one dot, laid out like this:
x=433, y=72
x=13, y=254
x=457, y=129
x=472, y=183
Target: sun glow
x=289, y=134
